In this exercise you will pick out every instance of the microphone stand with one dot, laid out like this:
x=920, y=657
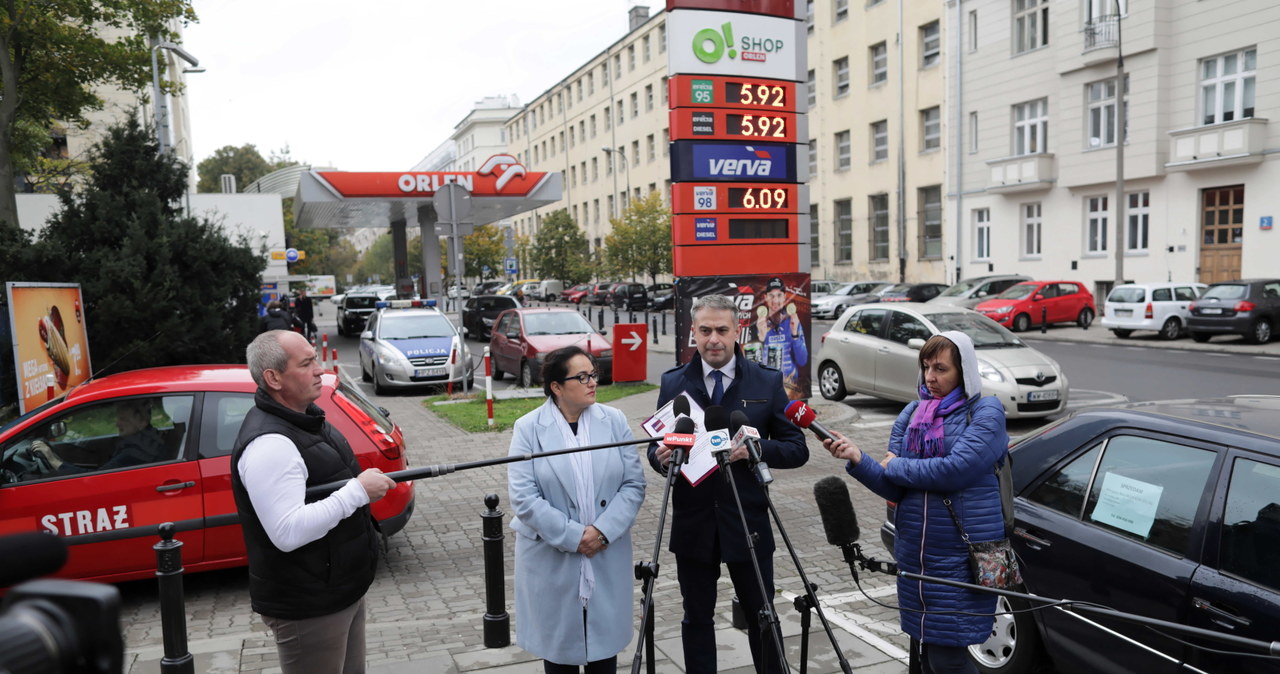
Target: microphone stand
x=647, y=572
x=768, y=619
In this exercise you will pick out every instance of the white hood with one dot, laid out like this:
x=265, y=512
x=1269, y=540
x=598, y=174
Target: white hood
x=968, y=364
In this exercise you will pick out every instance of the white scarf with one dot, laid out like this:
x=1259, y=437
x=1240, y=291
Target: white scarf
x=584, y=481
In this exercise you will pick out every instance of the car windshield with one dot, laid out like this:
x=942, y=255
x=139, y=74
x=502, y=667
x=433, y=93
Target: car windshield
x=984, y=332
x=1228, y=291
x=555, y=323
x=1017, y=292
x=958, y=289
x=1128, y=294
x=361, y=302
x=899, y=289
x=419, y=326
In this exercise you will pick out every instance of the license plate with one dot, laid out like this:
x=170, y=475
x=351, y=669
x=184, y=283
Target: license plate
x=1124, y=312
x=1211, y=310
x=1037, y=396
x=429, y=372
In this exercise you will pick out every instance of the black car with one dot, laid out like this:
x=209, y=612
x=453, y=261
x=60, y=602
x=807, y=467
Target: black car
x=354, y=311
x=911, y=292
x=480, y=311
x=630, y=296
x=599, y=293
x=1166, y=510
x=661, y=296
x=1249, y=307
x=487, y=287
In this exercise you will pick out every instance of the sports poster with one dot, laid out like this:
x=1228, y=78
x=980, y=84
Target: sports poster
x=46, y=325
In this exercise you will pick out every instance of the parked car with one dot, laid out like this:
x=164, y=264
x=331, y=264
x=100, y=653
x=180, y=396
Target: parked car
x=1036, y=302
x=354, y=311
x=819, y=288
x=599, y=293
x=453, y=292
x=549, y=291
x=479, y=313
x=847, y=295
x=576, y=293
x=632, y=296
x=487, y=287
x=408, y=344
x=875, y=349
x=1157, y=509
x=1163, y=307
x=662, y=296
x=197, y=411
x=524, y=286
x=522, y=338
x=1249, y=307
x=909, y=292
x=968, y=293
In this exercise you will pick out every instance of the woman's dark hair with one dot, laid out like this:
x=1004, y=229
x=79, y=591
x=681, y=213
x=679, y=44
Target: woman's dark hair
x=556, y=367
x=938, y=345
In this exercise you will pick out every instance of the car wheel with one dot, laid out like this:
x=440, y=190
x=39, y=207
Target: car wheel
x=1200, y=337
x=341, y=333
x=1171, y=329
x=1014, y=645
x=831, y=382
x=1124, y=334
x=1021, y=323
x=1085, y=317
x=526, y=374
x=1261, y=332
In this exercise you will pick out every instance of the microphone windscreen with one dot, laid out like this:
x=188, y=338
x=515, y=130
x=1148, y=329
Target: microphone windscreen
x=680, y=406
x=800, y=414
x=737, y=420
x=715, y=419
x=838, y=519
x=685, y=425
x=30, y=555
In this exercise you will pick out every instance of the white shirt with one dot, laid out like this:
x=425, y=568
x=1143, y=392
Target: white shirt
x=275, y=476
x=728, y=372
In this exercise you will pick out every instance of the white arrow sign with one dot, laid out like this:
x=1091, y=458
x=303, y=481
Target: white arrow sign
x=634, y=340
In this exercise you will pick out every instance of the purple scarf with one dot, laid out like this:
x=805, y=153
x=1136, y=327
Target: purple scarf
x=924, y=434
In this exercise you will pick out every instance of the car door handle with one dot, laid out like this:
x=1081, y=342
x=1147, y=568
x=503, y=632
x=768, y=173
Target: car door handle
x=1220, y=616
x=175, y=486
x=883, y=349
x=1034, y=542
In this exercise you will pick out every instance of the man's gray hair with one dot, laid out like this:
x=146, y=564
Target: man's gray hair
x=266, y=352
x=715, y=302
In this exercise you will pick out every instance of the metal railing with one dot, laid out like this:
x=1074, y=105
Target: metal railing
x=1102, y=32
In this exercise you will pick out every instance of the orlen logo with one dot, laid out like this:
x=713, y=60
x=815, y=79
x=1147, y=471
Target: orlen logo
x=504, y=166
x=760, y=166
x=710, y=45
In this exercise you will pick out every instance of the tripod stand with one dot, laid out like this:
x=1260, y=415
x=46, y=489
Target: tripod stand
x=647, y=572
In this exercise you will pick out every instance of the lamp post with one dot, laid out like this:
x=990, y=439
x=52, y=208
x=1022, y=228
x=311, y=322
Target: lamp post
x=1120, y=138
x=160, y=103
x=626, y=167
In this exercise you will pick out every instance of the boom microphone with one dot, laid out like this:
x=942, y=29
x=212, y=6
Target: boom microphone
x=30, y=555
x=803, y=416
x=836, y=510
x=745, y=434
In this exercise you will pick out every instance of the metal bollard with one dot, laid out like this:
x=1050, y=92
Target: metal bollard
x=173, y=612
x=615, y=316
x=664, y=324
x=497, y=624
x=654, y=332
x=600, y=319
x=1044, y=319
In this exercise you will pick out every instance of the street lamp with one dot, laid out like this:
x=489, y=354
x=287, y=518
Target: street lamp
x=161, y=103
x=1120, y=138
x=626, y=166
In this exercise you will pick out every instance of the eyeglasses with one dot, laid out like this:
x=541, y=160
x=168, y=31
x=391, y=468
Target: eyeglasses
x=584, y=377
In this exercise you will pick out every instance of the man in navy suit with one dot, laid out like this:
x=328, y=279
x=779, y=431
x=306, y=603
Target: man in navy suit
x=705, y=526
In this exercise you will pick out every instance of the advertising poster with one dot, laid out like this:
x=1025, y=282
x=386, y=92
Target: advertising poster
x=321, y=286
x=773, y=321
x=46, y=325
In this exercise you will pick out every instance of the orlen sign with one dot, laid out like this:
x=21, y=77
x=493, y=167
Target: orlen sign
x=758, y=162
x=500, y=176
x=720, y=43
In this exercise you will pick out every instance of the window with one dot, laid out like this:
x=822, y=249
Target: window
x=930, y=44
x=635, y=104
x=904, y=327
x=604, y=74
x=666, y=141
x=1227, y=86
x=841, y=11
x=662, y=38
x=595, y=210
x=973, y=30
x=645, y=48
x=879, y=63
x=648, y=97
x=1138, y=215
x=591, y=83
x=973, y=132
x=663, y=87
x=1251, y=523
x=652, y=147
x=572, y=142
x=840, y=72
x=622, y=113
x=617, y=66
x=595, y=169
x=815, y=256
x=608, y=118
x=982, y=233
x=582, y=130
x=879, y=207
x=880, y=140
x=842, y=150
x=808, y=15
x=844, y=230
x=811, y=87
x=1030, y=25
x=635, y=153
x=930, y=222
x=930, y=129
x=1096, y=213
x=1102, y=9
x=813, y=158
x=1031, y=229
x=631, y=58
x=593, y=125
x=866, y=321
x=1030, y=127
x=1101, y=98
x=573, y=179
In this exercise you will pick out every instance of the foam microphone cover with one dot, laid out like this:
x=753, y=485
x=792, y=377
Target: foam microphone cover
x=838, y=519
x=800, y=414
x=685, y=425
x=716, y=419
x=30, y=555
x=680, y=406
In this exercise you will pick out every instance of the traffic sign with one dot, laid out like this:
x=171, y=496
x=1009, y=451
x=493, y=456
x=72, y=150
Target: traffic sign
x=630, y=351
x=291, y=255
x=511, y=265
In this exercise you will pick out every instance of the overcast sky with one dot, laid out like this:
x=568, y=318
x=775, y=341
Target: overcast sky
x=376, y=85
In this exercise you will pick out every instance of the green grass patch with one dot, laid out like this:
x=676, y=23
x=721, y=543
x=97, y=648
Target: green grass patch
x=472, y=415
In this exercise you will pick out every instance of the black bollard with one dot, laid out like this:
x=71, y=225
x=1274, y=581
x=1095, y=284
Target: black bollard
x=497, y=624
x=664, y=324
x=631, y=316
x=654, y=332
x=173, y=612
x=600, y=319
x=615, y=315
x=1044, y=319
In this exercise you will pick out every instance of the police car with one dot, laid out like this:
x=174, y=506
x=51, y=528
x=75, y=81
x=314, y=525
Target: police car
x=409, y=343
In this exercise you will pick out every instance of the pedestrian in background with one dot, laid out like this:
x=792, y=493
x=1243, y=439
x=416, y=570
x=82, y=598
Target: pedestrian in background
x=944, y=446
x=572, y=517
x=278, y=318
x=306, y=313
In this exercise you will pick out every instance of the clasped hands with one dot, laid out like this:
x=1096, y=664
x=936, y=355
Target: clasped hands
x=592, y=541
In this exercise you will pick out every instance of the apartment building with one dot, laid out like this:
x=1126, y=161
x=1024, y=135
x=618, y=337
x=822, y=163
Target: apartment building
x=1034, y=184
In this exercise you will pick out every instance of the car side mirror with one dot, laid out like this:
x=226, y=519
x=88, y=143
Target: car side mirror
x=1037, y=298
x=981, y=293
x=915, y=343
x=367, y=334
x=57, y=429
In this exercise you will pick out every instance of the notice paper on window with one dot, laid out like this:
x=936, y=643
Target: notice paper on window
x=1127, y=504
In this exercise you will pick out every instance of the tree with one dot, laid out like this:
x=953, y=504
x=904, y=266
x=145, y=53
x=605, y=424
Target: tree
x=482, y=248
x=160, y=288
x=53, y=57
x=244, y=162
x=559, y=250
x=641, y=241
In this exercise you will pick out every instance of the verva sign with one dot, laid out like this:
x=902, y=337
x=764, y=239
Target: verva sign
x=500, y=176
x=719, y=43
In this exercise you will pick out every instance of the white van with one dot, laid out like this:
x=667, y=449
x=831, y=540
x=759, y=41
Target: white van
x=549, y=291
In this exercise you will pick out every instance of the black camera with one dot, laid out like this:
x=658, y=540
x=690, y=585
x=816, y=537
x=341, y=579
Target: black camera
x=56, y=626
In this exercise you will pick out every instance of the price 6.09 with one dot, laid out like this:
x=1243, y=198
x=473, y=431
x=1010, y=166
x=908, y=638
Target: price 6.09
x=763, y=198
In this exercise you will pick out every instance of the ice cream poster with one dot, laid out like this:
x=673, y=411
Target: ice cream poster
x=50, y=345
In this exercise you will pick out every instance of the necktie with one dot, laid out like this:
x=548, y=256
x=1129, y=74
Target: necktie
x=717, y=392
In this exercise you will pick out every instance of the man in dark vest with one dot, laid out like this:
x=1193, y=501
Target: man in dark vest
x=306, y=312
x=311, y=560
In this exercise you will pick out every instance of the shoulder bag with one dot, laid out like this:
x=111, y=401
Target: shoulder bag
x=992, y=563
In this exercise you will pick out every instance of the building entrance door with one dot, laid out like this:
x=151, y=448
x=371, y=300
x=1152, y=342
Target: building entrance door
x=1222, y=231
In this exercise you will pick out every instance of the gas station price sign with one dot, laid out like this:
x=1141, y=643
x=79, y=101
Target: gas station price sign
x=717, y=124
x=737, y=198
x=738, y=93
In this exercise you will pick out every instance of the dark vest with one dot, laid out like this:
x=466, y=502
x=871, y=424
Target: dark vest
x=327, y=574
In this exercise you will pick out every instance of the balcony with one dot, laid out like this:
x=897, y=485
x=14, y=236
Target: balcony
x=1101, y=40
x=1226, y=144
x=1022, y=174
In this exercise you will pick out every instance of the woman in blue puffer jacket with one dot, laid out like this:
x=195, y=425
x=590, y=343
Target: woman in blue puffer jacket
x=946, y=444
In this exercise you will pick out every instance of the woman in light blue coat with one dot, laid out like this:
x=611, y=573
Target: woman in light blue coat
x=572, y=517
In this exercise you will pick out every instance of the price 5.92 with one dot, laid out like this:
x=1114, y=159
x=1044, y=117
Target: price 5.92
x=759, y=125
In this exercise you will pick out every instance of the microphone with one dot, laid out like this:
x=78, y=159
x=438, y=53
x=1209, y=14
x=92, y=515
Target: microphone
x=680, y=406
x=716, y=418
x=836, y=509
x=803, y=416
x=745, y=433
x=682, y=439
x=30, y=555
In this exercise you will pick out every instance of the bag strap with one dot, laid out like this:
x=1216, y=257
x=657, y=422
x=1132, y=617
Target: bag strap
x=963, y=535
